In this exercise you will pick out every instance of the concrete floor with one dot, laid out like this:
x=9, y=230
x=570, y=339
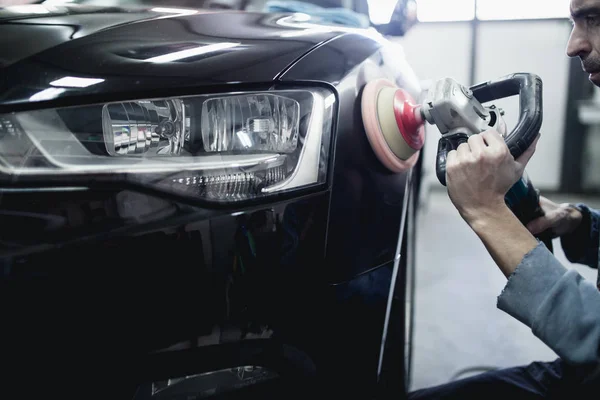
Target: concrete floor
x=457, y=324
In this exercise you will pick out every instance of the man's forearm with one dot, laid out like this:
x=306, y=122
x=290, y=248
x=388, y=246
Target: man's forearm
x=505, y=238
x=559, y=305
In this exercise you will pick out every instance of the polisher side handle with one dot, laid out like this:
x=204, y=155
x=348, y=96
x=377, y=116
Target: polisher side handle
x=529, y=88
x=446, y=144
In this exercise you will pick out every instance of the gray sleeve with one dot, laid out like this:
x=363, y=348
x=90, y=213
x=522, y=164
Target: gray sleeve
x=560, y=306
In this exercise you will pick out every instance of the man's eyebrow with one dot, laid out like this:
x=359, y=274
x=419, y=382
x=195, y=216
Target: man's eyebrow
x=585, y=11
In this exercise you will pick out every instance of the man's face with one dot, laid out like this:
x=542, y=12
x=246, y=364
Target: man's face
x=585, y=36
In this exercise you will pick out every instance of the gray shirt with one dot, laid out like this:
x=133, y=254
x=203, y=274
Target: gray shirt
x=558, y=304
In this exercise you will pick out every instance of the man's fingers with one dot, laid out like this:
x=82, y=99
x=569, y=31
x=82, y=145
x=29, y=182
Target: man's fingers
x=526, y=156
x=476, y=144
x=539, y=225
x=463, y=151
x=493, y=138
x=450, y=162
x=451, y=158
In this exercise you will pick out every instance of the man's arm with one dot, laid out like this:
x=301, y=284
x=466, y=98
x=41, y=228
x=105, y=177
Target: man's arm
x=561, y=308
x=504, y=236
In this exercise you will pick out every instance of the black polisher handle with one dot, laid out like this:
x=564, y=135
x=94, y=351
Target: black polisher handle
x=529, y=88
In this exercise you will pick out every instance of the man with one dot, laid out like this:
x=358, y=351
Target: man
x=561, y=308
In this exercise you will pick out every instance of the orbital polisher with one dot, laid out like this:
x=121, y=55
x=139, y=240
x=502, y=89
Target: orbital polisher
x=394, y=124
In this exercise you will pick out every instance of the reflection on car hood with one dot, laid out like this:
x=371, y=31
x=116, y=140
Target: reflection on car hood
x=133, y=50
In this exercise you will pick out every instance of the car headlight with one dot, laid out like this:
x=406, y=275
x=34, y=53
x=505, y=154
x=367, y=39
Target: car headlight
x=225, y=147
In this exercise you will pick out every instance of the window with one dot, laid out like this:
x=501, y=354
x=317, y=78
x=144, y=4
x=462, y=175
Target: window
x=464, y=10
x=522, y=9
x=445, y=10
x=380, y=11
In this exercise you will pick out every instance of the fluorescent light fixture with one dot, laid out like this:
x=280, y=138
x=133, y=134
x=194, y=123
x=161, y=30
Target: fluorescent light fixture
x=179, y=11
x=47, y=94
x=197, y=51
x=74, y=82
x=57, y=2
x=519, y=9
x=381, y=11
x=446, y=10
x=29, y=9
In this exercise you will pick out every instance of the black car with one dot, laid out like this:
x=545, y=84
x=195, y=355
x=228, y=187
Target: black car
x=190, y=207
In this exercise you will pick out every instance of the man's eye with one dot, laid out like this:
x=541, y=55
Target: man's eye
x=592, y=20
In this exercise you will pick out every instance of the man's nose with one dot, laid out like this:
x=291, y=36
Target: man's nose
x=578, y=45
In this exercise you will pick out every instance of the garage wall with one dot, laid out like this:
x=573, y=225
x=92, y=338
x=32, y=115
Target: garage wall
x=438, y=50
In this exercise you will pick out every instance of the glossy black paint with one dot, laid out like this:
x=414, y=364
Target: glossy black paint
x=102, y=279
x=81, y=46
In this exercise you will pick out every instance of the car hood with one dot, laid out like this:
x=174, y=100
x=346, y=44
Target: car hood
x=140, y=50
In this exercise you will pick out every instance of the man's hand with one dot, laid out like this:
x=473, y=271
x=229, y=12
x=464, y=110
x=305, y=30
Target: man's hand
x=561, y=219
x=480, y=173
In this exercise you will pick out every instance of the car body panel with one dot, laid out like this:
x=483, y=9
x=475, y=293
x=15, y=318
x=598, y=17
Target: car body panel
x=155, y=286
x=122, y=54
